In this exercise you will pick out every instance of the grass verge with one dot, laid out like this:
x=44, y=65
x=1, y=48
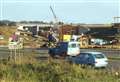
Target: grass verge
x=28, y=69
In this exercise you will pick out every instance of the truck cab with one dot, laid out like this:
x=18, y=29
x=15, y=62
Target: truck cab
x=73, y=48
x=63, y=49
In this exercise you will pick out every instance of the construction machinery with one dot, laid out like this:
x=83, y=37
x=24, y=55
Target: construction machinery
x=55, y=18
x=53, y=32
x=65, y=33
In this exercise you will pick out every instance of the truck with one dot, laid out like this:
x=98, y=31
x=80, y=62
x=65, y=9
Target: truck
x=64, y=49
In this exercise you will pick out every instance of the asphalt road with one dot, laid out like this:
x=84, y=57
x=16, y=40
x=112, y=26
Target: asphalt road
x=42, y=54
x=107, y=52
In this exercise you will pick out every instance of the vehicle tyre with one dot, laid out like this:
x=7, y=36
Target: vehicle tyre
x=64, y=54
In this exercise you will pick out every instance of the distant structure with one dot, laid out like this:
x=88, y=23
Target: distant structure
x=116, y=19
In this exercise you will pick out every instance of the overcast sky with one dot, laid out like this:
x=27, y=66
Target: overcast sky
x=76, y=11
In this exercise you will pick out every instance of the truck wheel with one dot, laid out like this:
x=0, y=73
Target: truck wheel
x=64, y=54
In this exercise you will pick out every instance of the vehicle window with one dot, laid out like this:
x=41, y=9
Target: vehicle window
x=84, y=55
x=78, y=45
x=81, y=55
x=72, y=45
x=99, y=56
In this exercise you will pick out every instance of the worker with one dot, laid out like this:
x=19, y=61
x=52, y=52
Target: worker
x=14, y=37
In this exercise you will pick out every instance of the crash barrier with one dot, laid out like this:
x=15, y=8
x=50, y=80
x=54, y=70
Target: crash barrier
x=102, y=46
x=113, y=46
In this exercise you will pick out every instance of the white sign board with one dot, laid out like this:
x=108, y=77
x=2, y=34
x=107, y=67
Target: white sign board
x=15, y=45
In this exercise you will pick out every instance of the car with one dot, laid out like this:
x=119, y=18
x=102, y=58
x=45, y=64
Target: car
x=95, y=59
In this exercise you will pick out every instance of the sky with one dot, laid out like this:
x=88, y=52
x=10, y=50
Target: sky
x=68, y=11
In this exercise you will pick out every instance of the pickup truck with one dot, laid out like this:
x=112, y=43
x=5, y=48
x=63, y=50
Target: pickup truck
x=64, y=49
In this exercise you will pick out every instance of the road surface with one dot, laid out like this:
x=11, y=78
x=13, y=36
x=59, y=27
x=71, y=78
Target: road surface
x=42, y=54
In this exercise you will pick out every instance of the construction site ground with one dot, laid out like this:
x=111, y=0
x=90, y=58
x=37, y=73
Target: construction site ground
x=38, y=41
x=28, y=40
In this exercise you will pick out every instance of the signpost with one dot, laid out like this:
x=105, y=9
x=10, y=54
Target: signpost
x=15, y=47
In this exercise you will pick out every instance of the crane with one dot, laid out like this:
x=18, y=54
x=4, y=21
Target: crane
x=55, y=18
x=53, y=31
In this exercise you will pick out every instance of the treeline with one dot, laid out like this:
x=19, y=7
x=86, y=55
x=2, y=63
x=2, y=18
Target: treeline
x=39, y=22
x=13, y=23
x=7, y=23
x=36, y=22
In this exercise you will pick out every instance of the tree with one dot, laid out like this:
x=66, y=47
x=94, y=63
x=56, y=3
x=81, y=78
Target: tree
x=7, y=23
x=12, y=24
